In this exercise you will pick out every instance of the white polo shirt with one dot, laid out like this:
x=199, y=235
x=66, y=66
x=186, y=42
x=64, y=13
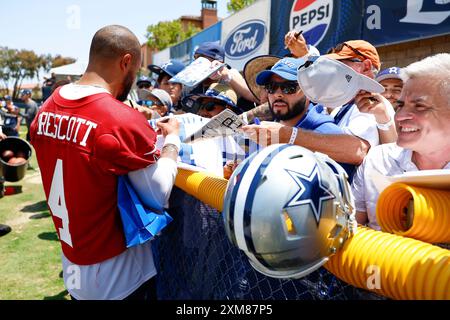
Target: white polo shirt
x=363, y=125
x=388, y=160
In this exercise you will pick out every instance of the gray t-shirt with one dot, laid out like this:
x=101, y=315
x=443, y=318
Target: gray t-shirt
x=30, y=113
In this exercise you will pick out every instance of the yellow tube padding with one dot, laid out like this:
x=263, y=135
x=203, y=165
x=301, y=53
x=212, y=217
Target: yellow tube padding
x=431, y=217
x=407, y=268
x=205, y=187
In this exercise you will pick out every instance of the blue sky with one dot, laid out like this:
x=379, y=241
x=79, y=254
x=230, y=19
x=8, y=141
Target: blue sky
x=66, y=27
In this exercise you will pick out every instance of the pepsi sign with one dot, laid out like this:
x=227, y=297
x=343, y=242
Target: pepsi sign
x=245, y=39
x=313, y=17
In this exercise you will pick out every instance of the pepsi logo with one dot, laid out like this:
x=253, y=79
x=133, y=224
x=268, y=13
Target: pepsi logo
x=313, y=17
x=245, y=39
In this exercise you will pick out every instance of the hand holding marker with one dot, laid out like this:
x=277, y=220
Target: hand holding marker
x=296, y=36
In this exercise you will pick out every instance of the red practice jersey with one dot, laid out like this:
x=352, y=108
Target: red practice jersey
x=82, y=146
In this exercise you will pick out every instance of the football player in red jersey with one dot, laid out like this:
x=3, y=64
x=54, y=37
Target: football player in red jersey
x=84, y=138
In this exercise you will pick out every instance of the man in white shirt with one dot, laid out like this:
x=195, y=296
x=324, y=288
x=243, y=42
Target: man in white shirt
x=423, y=141
x=369, y=116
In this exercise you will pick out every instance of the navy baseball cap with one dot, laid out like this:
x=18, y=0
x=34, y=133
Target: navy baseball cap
x=212, y=50
x=389, y=73
x=144, y=79
x=25, y=92
x=285, y=68
x=172, y=68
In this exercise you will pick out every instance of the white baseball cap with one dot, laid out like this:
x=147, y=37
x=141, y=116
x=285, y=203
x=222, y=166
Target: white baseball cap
x=331, y=83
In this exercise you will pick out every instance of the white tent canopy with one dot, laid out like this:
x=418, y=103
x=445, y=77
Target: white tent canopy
x=74, y=69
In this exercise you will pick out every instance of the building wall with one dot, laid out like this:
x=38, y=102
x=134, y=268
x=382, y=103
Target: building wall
x=146, y=55
x=209, y=17
x=403, y=54
x=195, y=21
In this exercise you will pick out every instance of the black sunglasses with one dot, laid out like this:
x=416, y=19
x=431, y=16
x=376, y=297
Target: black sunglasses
x=211, y=105
x=288, y=87
x=144, y=86
x=341, y=46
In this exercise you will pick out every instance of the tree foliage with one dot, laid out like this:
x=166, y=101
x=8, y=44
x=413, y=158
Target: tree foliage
x=168, y=33
x=236, y=5
x=18, y=65
x=58, y=61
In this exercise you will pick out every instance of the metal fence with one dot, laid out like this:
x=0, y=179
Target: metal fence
x=196, y=261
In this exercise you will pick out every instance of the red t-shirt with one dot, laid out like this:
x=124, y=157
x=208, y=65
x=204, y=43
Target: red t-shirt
x=82, y=146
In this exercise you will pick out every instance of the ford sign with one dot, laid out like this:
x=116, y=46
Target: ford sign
x=245, y=39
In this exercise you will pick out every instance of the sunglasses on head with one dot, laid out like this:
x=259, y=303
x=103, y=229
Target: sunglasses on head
x=211, y=105
x=288, y=87
x=341, y=46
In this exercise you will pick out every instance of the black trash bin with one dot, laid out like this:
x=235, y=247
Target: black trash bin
x=14, y=172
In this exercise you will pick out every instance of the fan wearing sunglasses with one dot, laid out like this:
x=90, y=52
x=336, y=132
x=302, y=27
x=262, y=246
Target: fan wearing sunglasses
x=156, y=104
x=144, y=85
x=311, y=129
x=286, y=100
x=217, y=98
x=292, y=111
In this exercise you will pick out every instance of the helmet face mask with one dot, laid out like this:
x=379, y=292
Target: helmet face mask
x=284, y=208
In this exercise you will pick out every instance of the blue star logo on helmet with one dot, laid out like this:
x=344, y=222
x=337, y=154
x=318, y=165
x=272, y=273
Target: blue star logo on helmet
x=312, y=191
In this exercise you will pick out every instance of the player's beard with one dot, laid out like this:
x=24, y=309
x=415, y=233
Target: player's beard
x=292, y=112
x=127, y=85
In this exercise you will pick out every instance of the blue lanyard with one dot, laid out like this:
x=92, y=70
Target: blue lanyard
x=338, y=117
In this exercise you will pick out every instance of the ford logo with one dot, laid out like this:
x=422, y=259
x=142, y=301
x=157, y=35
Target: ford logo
x=245, y=39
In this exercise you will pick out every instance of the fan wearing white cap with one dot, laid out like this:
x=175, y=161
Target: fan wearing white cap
x=367, y=115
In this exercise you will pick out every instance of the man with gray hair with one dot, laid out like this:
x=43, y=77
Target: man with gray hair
x=422, y=121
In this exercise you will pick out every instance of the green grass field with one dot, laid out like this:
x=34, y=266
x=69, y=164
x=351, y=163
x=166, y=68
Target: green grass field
x=30, y=255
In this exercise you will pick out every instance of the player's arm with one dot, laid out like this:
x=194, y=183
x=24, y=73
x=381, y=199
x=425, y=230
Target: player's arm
x=154, y=183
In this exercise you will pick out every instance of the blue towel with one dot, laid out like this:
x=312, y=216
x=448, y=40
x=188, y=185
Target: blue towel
x=140, y=224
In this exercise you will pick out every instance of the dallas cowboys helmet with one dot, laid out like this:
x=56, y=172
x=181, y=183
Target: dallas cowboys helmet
x=288, y=209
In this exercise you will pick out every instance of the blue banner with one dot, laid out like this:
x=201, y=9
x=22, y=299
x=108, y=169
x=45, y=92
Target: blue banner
x=184, y=51
x=388, y=21
x=324, y=22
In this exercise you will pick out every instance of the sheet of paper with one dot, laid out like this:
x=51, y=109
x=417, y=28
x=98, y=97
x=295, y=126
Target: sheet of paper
x=224, y=124
x=436, y=179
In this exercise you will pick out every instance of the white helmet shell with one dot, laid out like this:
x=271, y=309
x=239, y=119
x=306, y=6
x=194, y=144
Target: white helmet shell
x=288, y=209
